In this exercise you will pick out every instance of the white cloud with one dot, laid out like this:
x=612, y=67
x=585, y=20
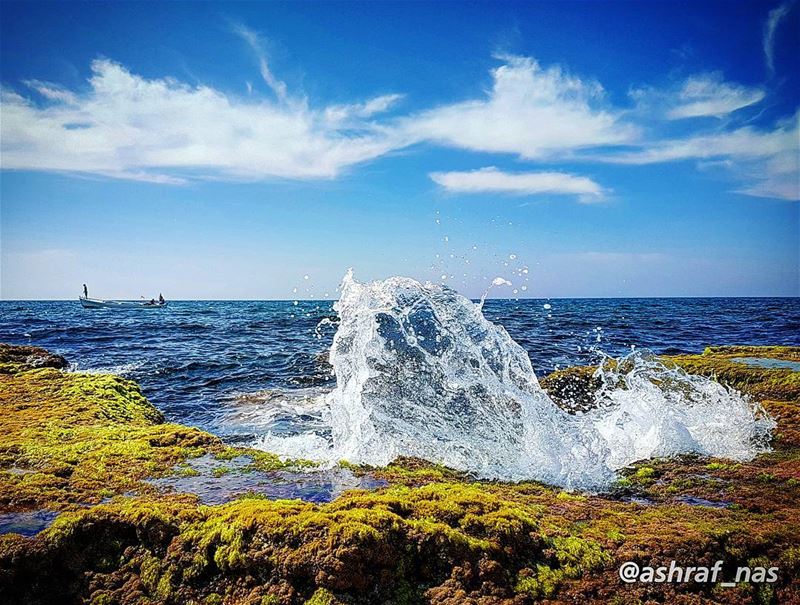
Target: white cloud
x=253, y=40
x=532, y=112
x=165, y=131
x=776, y=177
x=51, y=92
x=710, y=95
x=768, y=160
x=374, y=106
x=126, y=126
x=774, y=18
x=492, y=180
x=700, y=95
x=744, y=142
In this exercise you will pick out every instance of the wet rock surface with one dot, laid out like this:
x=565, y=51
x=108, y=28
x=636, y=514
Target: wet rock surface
x=15, y=358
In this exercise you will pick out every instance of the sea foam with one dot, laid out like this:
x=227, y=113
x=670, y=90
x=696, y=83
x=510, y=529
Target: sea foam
x=421, y=372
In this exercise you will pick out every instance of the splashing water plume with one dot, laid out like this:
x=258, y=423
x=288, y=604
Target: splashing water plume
x=420, y=372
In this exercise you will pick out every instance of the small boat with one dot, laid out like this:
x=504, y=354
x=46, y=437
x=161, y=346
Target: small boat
x=97, y=303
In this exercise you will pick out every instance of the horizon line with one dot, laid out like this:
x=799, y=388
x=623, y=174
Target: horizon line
x=332, y=300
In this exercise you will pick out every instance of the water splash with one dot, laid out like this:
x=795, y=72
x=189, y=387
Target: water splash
x=497, y=281
x=649, y=409
x=420, y=372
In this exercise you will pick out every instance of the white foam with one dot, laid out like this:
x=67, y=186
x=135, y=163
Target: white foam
x=420, y=372
x=125, y=369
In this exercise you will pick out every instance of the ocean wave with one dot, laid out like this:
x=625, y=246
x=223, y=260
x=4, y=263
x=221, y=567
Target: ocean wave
x=421, y=372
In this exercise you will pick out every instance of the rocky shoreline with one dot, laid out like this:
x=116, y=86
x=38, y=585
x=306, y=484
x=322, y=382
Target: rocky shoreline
x=81, y=457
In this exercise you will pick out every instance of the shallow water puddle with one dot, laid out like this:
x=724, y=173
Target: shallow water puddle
x=693, y=501
x=219, y=481
x=640, y=500
x=28, y=523
x=769, y=363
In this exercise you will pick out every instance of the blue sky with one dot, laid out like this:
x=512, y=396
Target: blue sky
x=258, y=150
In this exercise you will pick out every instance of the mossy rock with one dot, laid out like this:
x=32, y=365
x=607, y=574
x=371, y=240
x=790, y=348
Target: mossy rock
x=433, y=535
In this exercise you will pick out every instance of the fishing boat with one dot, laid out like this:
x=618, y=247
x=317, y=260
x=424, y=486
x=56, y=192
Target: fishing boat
x=97, y=303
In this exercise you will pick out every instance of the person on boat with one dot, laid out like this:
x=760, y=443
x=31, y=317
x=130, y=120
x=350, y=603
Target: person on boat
x=161, y=300
x=152, y=301
x=85, y=291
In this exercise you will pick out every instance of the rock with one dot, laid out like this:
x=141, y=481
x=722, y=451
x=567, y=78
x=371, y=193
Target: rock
x=572, y=389
x=16, y=358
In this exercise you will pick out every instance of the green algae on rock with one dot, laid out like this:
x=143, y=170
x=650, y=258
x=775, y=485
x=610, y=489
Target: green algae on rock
x=71, y=439
x=432, y=536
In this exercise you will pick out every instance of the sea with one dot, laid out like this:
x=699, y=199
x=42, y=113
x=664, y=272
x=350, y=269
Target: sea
x=200, y=362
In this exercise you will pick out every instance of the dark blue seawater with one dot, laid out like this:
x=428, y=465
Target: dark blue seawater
x=195, y=358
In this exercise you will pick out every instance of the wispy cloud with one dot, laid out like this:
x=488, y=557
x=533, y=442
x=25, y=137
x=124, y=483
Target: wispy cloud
x=744, y=142
x=126, y=126
x=367, y=109
x=767, y=159
x=700, y=95
x=492, y=180
x=163, y=130
x=51, y=92
x=255, y=43
x=166, y=131
x=532, y=112
x=774, y=18
x=710, y=95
